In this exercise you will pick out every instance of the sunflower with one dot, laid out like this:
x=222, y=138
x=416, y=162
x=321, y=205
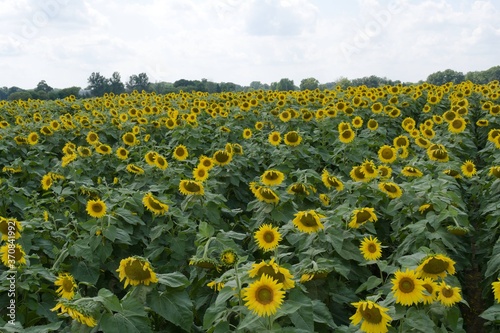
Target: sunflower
x=92, y=138
x=407, y=288
x=457, y=125
x=410, y=171
x=435, y=266
x=132, y=168
x=191, y=187
x=372, y=124
x=384, y=171
x=424, y=208
x=370, y=248
x=431, y=290
x=154, y=205
x=479, y=123
x=160, y=162
x=205, y=262
x=267, y=237
x=437, y=153
x=10, y=228
x=66, y=284
x=222, y=157
x=46, y=182
x=265, y=194
x=200, y=173
x=78, y=313
x=180, y=153
x=331, y=181
x=369, y=169
x=448, y=295
x=375, y=318
x=377, y=107
x=468, y=169
x=358, y=174
x=273, y=270
x=206, y=162
x=274, y=138
x=129, y=139
x=67, y=159
x=325, y=199
x=292, y=138
x=103, y=149
x=150, y=157
x=33, y=138
x=347, y=136
x=357, y=122
x=96, y=208
x=136, y=270
x=247, y=133
x=308, y=221
x=264, y=296
x=228, y=258
x=387, y=154
x=299, y=188
x=84, y=151
x=494, y=171
x=392, y=190
x=495, y=286
x=122, y=153
x=272, y=177
x=259, y=125
x=19, y=255
x=361, y=216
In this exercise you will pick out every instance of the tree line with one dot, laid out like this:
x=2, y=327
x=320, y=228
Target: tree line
x=98, y=84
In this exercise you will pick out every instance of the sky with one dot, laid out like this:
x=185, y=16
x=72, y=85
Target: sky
x=240, y=41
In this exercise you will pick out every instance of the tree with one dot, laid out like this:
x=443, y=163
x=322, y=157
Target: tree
x=98, y=84
x=43, y=86
x=22, y=95
x=309, y=84
x=115, y=84
x=285, y=85
x=138, y=82
x=69, y=91
x=448, y=75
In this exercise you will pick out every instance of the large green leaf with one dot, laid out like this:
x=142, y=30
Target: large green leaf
x=174, y=306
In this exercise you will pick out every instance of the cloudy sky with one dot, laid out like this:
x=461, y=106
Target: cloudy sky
x=240, y=41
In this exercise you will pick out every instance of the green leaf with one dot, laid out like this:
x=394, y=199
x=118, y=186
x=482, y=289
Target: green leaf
x=206, y=230
x=492, y=313
x=321, y=314
x=20, y=201
x=113, y=233
x=369, y=284
x=124, y=323
x=43, y=329
x=128, y=217
x=418, y=320
x=109, y=300
x=85, y=272
x=173, y=280
x=174, y=306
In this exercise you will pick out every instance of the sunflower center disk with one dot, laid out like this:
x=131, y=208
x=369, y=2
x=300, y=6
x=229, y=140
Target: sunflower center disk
x=97, y=208
x=372, y=248
x=435, y=266
x=135, y=271
x=390, y=188
x=264, y=295
x=155, y=204
x=272, y=175
x=267, y=194
x=387, y=154
x=192, y=187
x=308, y=220
x=292, y=137
x=371, y=315
x=406, y=285
x=268, y=237
x=67, y=285
x=362, y=217
x=269, y=270
x=447, y=292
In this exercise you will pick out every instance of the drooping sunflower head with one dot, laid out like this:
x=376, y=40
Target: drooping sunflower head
x=371, y=248
x=154, y=205
x=272, y=177
x=437, y=153
x=7, y=255
x=410, y=171
x=205, y=262
x=96, y=208
x=392, y=190
x=67, y=285
x=267, y=237
x=266, y=194
x=132, y=168
x=264, y=296
x=369, y=169
x=435, y=266
x=150, y=157
x=361, y=216
x=222, y=157
x=308, y=221
x=191, y=187
x=374, y=317
x=407, y=288
x=136, y=270
x=494, y=171
x=272, y=269
x=298, y=189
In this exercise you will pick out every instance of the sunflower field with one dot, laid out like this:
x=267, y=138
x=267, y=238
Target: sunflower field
x=346, y=210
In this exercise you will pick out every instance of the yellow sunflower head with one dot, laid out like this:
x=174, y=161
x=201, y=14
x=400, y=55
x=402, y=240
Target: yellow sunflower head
x=180, y=153
x=154, y=205
x=264, y=296
x=267, y=237
x=387, y=154
x=66, y=284
x=448, y=295
x=265, y=194
x=228, y=258
x=435, y=266
x=410, y=171
x=292, y=138
x=361, y=216
x=191, y=187
x=222, y=157
x=273, y=270
x=392, y=190
x=6, y=254
x=331, y=181
x=96, y=208
x=370, y=248
x=495, y=286
x=272, y=177
x=468, y=169
x=10, y=228
x=374, y=317
x=136, y=270
x=308, y=221
x=407, y=289
x=347, y=136
x=431, y=290
x=274, y=138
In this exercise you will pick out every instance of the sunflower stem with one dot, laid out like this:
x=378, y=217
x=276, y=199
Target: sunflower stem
x=238, y=286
